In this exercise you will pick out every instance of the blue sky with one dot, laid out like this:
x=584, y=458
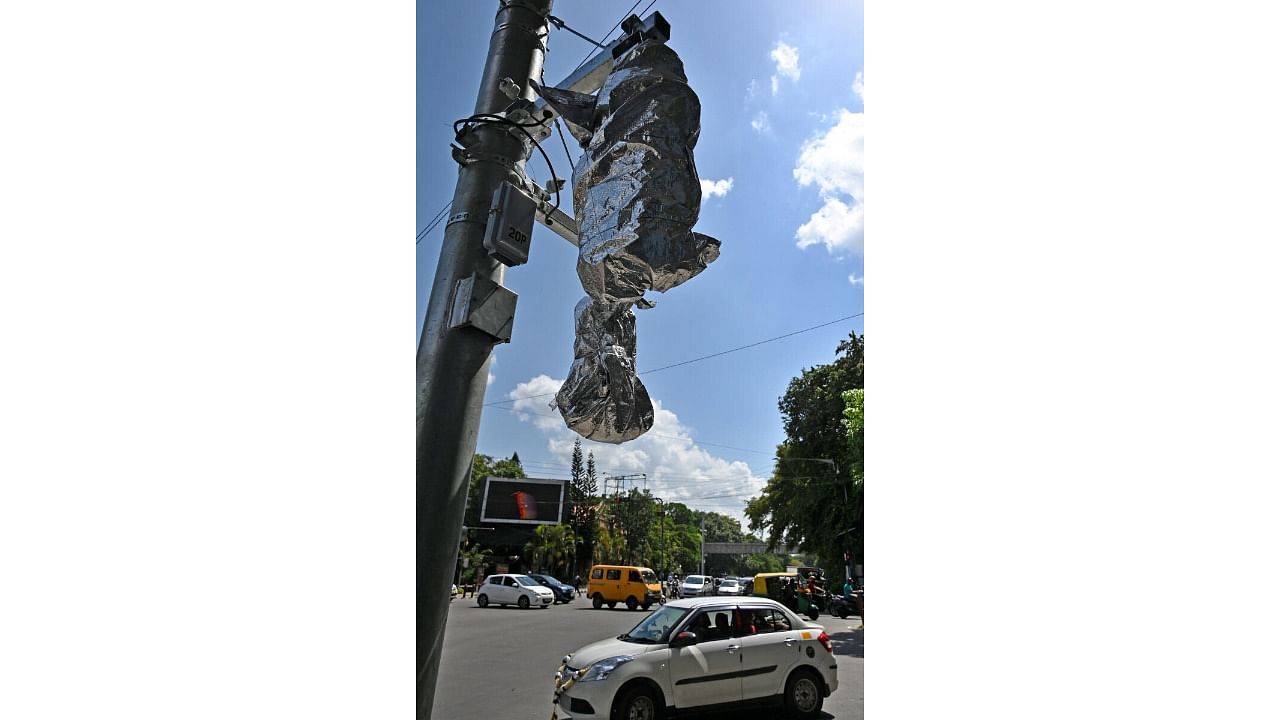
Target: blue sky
x=780, y=156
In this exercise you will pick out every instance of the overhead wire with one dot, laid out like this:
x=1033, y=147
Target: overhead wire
x=625, y=15
x=435, y=220
x=697, y=359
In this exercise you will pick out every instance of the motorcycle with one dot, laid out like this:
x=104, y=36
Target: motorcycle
x=842, y=607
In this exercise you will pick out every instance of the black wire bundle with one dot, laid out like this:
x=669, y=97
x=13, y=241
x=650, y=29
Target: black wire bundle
x=465, y=125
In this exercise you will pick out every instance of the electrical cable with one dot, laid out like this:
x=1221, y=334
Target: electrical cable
x=625, y=15
x=460, y=127
x=435, y=220
x=697, y=359
x=744, y=347
x=560, y=24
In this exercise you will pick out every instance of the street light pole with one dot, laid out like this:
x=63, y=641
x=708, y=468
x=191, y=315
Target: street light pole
x=453, y=355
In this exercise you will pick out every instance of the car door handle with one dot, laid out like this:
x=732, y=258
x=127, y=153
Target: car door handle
x=789, y=641
x=734, y=648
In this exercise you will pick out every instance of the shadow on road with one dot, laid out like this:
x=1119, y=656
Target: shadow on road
x=848, y=643
x=752, y=714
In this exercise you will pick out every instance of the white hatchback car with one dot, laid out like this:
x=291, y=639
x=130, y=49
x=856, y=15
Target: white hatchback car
x=695, y=585
x=511, y=589
x=699, y=652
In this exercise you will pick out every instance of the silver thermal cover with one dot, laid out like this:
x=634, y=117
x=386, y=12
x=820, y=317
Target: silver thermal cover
x=636, y=199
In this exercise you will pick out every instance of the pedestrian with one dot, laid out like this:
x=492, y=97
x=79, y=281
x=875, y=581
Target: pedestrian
x=577, y=584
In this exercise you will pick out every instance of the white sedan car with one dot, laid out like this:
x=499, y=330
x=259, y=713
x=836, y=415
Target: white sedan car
x=699, y=652
x=729, y=586
x=510, y=589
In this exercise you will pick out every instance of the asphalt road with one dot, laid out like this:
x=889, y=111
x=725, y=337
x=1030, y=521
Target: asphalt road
x=499, y=662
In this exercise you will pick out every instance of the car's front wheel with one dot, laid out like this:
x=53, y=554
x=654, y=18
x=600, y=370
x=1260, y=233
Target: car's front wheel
x=803, y=696
x=482, y=600
x=639, y=703
x=523, y=602
x=632, y=603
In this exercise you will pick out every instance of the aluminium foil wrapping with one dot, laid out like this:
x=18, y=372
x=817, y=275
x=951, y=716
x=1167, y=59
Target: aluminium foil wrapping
x=636, y=198
x=603, y=398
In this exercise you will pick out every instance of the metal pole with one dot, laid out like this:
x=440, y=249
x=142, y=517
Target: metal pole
x=453, y=362
x=702, y=547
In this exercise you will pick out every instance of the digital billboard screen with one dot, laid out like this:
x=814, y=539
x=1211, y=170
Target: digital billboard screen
x=523, y=500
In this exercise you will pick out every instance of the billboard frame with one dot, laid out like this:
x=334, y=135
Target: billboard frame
x=484, y=501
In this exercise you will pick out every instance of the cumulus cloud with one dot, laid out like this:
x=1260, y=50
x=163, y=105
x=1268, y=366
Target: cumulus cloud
x=786, y=63
x=761, y=122
x=858, y=85
x=676, y=467
x=833, y=160
x=533, y=399
x=716, y=188
x=856, y=280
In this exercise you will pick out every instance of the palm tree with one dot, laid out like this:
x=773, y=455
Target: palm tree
x=551, y=548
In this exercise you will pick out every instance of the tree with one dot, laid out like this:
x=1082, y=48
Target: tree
x=483, y=466
x=814, y=498
x=551, y=548
x=582, y=505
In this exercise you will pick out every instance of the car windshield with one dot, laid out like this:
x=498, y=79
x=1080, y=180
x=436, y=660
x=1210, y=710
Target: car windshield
x=649, y=577
x=549, y=579
x=656, y=627
x=693, y=580
x=526, y=580
x=728, y=582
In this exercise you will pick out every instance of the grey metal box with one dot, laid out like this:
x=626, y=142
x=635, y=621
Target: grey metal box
x=510, y=226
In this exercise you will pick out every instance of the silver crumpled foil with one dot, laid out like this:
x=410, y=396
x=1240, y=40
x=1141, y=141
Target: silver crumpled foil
x=636, y=197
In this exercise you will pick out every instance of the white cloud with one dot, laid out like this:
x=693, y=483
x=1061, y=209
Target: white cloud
x=532, y=401
x=716, y=188
x=858, y=85
x=761, y=122
x=677, y=469
x=834, y=162
x=752, y=89
x=786, y=61
x=855, y=280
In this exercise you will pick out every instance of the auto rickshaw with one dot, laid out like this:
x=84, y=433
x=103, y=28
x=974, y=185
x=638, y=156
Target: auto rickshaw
x=787, y=589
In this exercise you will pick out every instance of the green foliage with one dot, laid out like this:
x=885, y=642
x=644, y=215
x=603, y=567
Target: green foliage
x=483, y=466
x=810, y=503
x=552, y=549
x=624, y=528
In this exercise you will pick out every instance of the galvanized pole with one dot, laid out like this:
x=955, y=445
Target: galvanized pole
x=453, y=356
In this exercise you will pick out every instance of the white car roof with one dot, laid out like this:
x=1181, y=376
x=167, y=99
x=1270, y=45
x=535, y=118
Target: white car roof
x=698, y=602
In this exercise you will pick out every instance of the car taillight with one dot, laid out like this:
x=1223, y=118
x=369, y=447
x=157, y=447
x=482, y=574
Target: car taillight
x=825, y=640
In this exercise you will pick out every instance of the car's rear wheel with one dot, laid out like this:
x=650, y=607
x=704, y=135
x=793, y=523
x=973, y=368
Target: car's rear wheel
x=632, y=603
x=597, y=602
x=639, y=703
x=813, y=612
x=523, y=602
x=803, y=696
x=482, y=600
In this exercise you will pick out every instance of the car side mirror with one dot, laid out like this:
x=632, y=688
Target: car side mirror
x=683, y=639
